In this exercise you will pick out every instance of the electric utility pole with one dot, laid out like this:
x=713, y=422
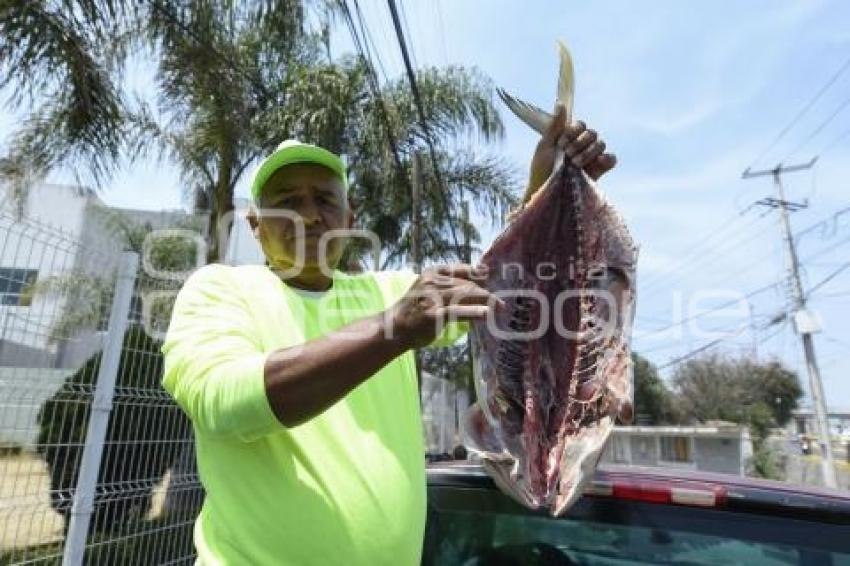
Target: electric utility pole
x=804, y=321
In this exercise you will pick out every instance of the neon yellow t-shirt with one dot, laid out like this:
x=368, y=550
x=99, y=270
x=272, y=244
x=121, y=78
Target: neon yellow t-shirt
x=346, y=487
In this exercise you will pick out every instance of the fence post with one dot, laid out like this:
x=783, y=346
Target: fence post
x=81, y=511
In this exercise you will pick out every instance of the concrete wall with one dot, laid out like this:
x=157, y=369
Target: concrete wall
x=13, y=354
x=713, y=450
x=718, y=455
x=644, y=451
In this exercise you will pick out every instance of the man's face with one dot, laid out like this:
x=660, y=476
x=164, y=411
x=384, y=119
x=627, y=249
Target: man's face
x=316, y=196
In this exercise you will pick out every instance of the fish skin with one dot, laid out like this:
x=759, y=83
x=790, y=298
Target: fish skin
x=548, y=401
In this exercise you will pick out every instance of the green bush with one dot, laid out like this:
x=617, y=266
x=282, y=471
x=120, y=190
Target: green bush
x=142, y=438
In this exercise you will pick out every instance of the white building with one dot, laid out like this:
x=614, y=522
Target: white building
x=59, y=230
x=803, y=422
x=714, y=447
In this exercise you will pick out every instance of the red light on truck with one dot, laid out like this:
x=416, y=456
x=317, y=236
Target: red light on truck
x=655, y=491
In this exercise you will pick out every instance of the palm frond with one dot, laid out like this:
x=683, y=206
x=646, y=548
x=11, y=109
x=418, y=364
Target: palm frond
x=56, y=57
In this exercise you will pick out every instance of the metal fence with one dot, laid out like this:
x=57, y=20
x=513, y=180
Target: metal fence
x=96, y=460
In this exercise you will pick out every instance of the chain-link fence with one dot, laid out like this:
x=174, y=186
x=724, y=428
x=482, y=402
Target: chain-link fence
x=96, y=460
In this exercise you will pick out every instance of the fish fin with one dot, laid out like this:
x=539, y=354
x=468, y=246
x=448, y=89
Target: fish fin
x=566, y=80
x=538, y=119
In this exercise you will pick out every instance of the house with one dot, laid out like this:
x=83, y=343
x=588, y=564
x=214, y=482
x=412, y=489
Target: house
x=803, y=421
x=713, y=447
x=67, y=235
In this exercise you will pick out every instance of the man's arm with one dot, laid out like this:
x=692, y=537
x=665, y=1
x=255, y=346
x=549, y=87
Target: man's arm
x=218, y=371
x=303, y=381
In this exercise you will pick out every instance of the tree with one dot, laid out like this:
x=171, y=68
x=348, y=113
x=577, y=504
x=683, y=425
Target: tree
x=715, y=387
x=450, y=363
x=330, y=103
x=63, y=59
x=140, y=438
x=234, y=79
x=761, y=396
x=653, y=400
x=145, y=437
x=777, y=387
x=457, y=104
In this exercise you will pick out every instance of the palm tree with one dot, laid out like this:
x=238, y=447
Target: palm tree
x=63, y=59
x=230, y=93
x=233, y=80
x=458, y=108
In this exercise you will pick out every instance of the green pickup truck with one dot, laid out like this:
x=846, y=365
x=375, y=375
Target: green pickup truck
x=632, y=516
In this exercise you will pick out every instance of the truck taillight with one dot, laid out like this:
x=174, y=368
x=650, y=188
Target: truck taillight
x=655, y=491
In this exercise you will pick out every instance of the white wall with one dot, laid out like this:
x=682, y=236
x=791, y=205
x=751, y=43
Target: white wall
x=45, y=239
x=243, y=248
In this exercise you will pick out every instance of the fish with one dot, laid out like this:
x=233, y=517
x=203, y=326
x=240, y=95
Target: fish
x=553, y=369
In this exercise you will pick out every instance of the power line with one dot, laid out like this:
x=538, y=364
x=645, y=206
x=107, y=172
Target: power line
x=692, y=353
x=826, y=250
x=836, y=341
x=829, y=278
x=803, y=111
x=715, y=309
x=706, y=257
x=820, y=127
x=822, y=224
x=835, y=294
x=713, y=343
x=667, y=346
x=705, y=244
x=441, y=28
x=372, y=80
x=417, y=100
x=369, y=41
x=825, y=149
x=374, y=86
x=408, y=34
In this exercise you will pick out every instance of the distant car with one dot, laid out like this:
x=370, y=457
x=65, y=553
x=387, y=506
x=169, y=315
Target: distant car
x=632, y=516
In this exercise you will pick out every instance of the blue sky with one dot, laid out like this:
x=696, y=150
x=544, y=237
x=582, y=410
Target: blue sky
x=687, y=94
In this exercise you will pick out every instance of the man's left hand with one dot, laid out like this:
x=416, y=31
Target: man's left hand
x=582, y=145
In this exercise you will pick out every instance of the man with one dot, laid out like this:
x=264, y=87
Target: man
x=300, y=380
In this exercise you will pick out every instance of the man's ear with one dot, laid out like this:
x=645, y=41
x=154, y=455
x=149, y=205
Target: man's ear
x=253, y=217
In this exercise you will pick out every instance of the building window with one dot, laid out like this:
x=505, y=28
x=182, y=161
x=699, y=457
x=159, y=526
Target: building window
x=16, y=286
x=676, y=449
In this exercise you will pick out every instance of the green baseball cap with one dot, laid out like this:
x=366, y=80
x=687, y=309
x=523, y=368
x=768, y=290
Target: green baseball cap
x=294, y=151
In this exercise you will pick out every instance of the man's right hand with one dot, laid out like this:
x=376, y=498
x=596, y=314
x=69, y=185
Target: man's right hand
x=439, y=296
